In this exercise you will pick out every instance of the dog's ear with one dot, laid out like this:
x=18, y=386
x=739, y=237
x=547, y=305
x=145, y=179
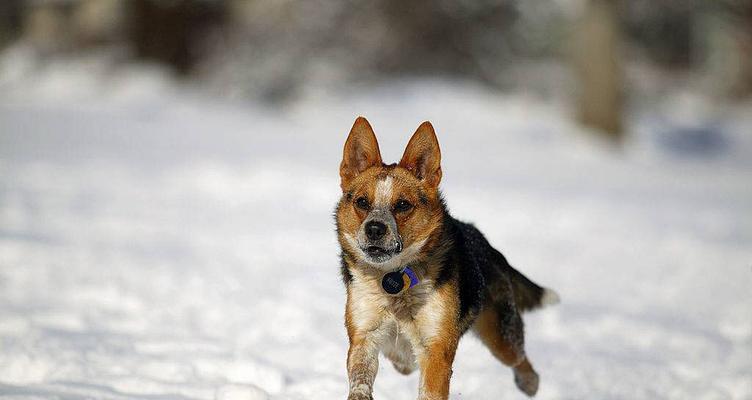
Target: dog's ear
x=361, y=151
x=422, y=155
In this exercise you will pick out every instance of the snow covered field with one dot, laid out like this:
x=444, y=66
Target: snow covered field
x=155, y=244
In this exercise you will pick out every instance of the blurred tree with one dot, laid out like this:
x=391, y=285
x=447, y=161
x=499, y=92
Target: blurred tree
x=458, y=38
x=738, y=14
x=745, y=51
x=97, y=22
x=172, y=31
x=10, y=20
x=664, y=30
x=598, y=68
x=277, y=45
x=46, y=25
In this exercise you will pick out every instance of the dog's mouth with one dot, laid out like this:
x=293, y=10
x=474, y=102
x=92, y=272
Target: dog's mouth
x=376, y=251
x=378, y=254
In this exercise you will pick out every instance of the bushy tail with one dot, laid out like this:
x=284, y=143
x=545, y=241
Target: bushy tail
x=528, y=295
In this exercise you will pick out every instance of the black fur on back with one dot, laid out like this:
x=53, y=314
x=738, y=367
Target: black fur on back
x=483, y=273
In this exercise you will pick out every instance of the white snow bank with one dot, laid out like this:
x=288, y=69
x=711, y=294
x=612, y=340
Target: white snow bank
x=161, y=245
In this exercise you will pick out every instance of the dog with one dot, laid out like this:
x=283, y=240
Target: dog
x=416, y=278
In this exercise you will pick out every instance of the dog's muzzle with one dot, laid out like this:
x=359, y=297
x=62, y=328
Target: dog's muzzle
x=378, y=236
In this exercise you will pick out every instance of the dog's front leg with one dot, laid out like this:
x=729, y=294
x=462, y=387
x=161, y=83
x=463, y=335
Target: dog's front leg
x=436, y=368
x=362, y=365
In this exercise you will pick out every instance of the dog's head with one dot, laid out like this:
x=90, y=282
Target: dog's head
x=388, y=213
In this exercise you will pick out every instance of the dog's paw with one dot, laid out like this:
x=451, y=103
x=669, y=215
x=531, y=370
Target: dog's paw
x=527, y=381
x=360, y=392
x=359, y=396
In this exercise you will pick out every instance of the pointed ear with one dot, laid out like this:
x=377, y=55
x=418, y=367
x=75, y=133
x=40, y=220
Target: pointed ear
x=361, y=151
x=423, y=156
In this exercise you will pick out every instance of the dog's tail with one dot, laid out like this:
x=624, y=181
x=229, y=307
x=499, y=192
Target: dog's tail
x=528, y=295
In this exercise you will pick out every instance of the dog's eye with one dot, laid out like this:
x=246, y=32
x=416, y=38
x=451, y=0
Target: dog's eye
x=402, y=205
x=362, y=203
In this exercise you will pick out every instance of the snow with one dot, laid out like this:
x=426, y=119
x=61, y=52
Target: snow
x=157, y=243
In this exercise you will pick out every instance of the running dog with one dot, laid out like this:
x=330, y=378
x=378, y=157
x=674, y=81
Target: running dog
x=416, y=278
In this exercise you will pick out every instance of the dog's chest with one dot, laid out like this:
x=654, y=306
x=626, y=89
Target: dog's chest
x=416, y=315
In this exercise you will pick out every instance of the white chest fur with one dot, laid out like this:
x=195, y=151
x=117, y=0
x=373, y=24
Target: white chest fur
x=402, y=325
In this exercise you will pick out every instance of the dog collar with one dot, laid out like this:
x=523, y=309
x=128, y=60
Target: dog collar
x=396, y=281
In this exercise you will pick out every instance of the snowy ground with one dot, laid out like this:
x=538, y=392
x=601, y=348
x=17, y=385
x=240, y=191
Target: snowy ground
x=156, y=244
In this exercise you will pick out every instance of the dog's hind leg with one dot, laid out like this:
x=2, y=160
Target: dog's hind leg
x=500, y=328
x=400, y=352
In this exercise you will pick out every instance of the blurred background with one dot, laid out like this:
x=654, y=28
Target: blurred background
x=168, y=170
x=602, y=57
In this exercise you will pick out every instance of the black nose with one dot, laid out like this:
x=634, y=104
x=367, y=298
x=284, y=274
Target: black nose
x=375, y=230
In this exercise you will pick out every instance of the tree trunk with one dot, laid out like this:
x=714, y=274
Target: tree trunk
x=172, y=31
x=598, y=68
x=743, y=87
x=10, y=21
